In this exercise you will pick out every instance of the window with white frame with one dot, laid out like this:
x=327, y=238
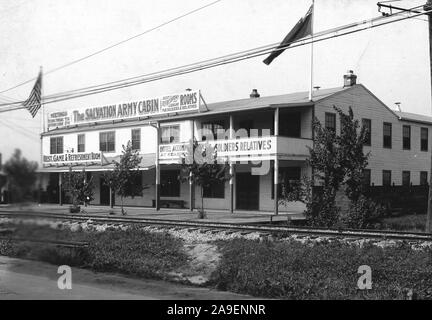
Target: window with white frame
x=136, y=139
x=81, y=143
x=56, y=145
x=107, y=141
x=170, y=134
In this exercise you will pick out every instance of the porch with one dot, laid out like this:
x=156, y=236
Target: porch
x=218, y=216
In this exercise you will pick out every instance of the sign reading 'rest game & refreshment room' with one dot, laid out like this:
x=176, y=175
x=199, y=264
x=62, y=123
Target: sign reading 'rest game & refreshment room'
x=67, y=158
x=186, y=101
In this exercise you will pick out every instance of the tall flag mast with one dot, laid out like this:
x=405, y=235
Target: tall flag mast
x=311, y=61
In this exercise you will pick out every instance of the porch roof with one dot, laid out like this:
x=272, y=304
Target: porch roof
x=408, y=116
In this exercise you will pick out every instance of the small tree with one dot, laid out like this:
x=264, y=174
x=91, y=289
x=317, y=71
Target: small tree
x=21, y=175
x=326, y=167
x=352, y=159
x=336, y=161
x=123, y=179
x=80, y=190
x=199, y=165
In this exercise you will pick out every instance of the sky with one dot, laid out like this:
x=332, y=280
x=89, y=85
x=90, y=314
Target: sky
x=392, y=60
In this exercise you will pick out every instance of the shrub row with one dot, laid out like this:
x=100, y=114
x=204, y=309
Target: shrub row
x=292, y=270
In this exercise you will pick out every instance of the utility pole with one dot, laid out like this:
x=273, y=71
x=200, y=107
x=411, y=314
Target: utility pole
x=427, y=7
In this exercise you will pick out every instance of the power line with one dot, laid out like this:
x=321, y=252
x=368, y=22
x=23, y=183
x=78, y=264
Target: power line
x=6, y=98
x=264, y=50
x=26, y=129
x=28, y=134
x=270, y=46
x=115, y=44
x=249, y=54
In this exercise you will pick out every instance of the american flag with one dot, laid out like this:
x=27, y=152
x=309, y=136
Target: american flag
x=33, y=103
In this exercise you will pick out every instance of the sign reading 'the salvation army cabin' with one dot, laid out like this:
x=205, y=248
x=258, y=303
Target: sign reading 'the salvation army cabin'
x=182, y=102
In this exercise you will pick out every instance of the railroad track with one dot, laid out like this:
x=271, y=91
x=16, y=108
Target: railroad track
x=229, y=227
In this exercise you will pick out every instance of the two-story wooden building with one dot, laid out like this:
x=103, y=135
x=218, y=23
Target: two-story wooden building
x=261, y=138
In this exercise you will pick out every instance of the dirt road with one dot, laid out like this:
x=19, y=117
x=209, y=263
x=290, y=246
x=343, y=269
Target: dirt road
x=24, y=279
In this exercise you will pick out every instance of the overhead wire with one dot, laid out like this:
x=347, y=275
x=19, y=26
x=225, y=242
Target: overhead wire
x=28, y=134
x=271, y=46
x=215, y=62
x=115, y=44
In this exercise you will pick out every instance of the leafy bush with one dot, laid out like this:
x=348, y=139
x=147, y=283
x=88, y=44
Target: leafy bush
x=322, y=211
x=362, y=213
x=291, y=270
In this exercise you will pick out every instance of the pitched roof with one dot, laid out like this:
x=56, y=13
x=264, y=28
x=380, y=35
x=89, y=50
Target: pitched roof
x=296, y=98
x=408, y=116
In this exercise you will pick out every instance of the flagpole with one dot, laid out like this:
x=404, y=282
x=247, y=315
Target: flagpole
x=42, y=120
x=42, y=104
x=311, y=58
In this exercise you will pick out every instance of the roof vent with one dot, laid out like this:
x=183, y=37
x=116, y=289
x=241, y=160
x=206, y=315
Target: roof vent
x=254, y=94
x=350, y=79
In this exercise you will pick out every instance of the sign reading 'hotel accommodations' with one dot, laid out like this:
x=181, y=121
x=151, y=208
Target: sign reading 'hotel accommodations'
x=187, y=101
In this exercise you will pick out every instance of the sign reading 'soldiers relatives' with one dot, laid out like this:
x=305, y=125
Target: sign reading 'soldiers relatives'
x=187, y=101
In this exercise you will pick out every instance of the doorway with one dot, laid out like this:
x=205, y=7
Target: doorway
x=105, y=193
x=247, y=191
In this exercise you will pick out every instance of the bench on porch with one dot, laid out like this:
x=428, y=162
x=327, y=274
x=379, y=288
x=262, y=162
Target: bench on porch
x=163, y=203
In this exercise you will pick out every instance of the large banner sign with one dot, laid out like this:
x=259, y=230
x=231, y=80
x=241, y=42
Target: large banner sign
x=182, y=102
x=68, y=158
x=171, y=151
x=259, y=146
x=248, y=146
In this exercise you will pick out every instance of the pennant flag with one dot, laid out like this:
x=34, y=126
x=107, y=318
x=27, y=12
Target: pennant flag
x=300, y=30
x=33, y=103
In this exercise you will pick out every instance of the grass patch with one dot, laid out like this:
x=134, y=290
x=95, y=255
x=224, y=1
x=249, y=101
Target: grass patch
x=413, y=222
x=132, y=252
x=292, y=270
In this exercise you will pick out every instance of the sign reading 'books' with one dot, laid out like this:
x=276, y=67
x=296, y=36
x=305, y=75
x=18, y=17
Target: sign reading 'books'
x=175, y=103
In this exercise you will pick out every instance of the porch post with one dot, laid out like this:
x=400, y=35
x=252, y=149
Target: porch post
x=231, y=165
x=111, y=202
x=276, y=165
x=191, y=184
x=276, y=186
x=157, y=167
x=60, y=189
x=191, y=189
